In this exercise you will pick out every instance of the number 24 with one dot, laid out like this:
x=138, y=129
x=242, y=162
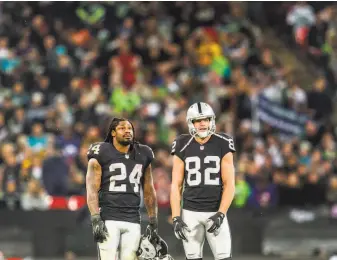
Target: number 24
x=94, y=148
x=134, y=177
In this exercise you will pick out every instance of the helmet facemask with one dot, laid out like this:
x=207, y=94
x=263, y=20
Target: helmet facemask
x=153, y=248
x=147, y=250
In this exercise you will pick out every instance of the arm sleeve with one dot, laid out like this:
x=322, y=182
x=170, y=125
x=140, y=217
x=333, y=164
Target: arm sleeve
x=176, y=149
x=149, y=155
x=228, y=145
x=96, y=151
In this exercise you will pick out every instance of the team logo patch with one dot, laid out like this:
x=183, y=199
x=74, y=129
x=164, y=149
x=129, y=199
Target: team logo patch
x=202, y=147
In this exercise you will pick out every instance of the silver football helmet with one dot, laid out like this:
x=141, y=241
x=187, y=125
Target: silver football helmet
x=197, y=111
x=153, y=248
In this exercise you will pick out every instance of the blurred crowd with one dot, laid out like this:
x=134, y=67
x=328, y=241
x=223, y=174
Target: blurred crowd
x=311, y=28
x=67, y=68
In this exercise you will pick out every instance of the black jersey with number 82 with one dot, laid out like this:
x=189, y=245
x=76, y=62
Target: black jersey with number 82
x=122, y=179
x=202, y=175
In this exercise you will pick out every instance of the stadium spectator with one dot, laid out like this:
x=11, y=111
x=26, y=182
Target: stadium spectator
x=55, y=172
x=301, y=17
x=34, y=198
x=63, y=75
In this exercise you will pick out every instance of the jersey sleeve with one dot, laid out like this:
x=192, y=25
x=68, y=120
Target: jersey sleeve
x=96, y=151
x=149, y=155
x=228, y=145
x=177, y=147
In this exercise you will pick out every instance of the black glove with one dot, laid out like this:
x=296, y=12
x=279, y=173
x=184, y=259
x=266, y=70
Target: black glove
x=217, y=219
x=152, y=228
x=179, y=227
x=99, y=229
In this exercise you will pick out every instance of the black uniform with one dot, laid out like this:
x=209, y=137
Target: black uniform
x=203, y=184
x=122, y=178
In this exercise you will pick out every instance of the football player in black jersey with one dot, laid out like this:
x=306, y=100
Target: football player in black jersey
x=203, y=171
x=117, y=169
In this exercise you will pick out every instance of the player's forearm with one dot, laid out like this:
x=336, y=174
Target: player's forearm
x=150, y=201
x=227, y=197
x=92, y=202
x=93, y=182
x=175, y=200
x=150, y=198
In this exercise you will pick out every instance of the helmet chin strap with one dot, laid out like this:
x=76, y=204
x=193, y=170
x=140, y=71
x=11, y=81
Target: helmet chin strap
x=208, y=133
x=203, y=136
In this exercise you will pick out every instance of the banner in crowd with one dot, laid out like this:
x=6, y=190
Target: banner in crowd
x=284, y=119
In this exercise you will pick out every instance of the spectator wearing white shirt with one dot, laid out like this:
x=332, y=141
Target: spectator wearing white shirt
x=301, y=17
x=35, y=198
x=297, y=98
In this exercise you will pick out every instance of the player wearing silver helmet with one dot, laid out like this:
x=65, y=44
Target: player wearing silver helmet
x=203, y=180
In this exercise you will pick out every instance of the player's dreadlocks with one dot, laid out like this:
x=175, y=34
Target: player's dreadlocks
x=114, y=123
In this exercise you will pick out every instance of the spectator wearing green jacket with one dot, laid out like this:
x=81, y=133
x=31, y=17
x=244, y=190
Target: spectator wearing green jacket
x=242, y=192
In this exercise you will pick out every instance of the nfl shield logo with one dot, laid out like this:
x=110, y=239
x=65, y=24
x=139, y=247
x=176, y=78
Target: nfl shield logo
x=202, y=147
x=127, y=156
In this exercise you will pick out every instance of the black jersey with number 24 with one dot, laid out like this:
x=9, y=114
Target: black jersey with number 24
x=203, y=184
x=122, y=179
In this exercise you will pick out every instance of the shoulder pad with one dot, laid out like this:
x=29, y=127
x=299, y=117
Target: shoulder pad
x=96, y=150
x=224, y=135
x=147, y=152
x=180, y=142
x=228, y=140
